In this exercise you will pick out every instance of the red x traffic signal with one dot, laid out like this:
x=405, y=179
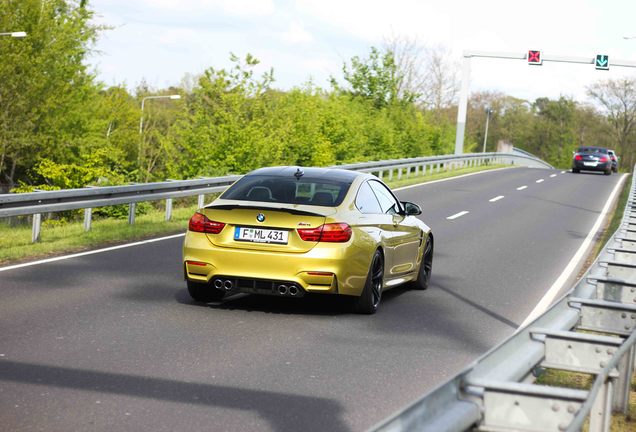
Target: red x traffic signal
x=534, y=57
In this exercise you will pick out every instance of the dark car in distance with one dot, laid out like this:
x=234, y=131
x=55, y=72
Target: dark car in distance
x=592, y=159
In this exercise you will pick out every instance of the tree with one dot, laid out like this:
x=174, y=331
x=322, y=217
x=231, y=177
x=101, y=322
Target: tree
x=426, y=72
x=46, y=88
x=375, y=78
x=618, y=99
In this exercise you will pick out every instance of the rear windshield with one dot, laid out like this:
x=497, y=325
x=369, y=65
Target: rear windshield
x=276, y=189
x=591, y=150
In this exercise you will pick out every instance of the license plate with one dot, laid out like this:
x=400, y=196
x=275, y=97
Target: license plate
x=593, y=164
x=261, y=235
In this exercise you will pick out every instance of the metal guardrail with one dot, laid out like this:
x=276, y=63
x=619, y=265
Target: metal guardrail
x=591, y=330
x=37, y=203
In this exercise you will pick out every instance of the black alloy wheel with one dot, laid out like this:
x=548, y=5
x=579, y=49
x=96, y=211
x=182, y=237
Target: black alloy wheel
x=369, y=300
x=426, y=267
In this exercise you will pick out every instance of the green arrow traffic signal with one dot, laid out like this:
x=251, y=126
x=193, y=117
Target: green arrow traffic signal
x=602, y=62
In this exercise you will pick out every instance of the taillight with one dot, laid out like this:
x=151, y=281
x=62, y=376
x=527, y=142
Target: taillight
x=578, y=157
x=200, y=223
x=332, y=233
x=603, y=159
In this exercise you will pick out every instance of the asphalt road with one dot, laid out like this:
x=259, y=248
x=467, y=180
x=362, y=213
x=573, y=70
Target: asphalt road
x=112, y=342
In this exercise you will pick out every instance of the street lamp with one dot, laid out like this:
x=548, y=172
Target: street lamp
x=19, y=34
x=488, y=112
x=143, y=101
x=141, y=122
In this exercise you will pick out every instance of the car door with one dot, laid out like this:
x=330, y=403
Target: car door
x=403, y=237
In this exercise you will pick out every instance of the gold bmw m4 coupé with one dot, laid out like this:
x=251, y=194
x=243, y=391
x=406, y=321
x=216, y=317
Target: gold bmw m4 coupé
x=289, y=231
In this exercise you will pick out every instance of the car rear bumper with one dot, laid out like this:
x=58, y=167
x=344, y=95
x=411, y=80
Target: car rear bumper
x=330, y=268
x=580, y=165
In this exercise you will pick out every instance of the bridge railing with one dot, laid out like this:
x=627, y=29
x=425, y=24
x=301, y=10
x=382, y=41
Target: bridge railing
x=37, y=203
x=590, y=330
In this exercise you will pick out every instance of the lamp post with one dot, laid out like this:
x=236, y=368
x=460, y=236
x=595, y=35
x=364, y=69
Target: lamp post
x=18, y=34
x=141, y=122
x=488, y=112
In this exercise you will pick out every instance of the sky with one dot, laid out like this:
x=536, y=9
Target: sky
x=161, y=41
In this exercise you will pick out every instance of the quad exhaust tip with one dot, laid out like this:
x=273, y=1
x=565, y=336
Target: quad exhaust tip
x=282, y=289
x=293, y=290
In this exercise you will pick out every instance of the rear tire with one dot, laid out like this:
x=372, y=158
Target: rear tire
x=576, y=171
x=204, y=292
x=608, y=172
x=426, y=267
x=369, y=300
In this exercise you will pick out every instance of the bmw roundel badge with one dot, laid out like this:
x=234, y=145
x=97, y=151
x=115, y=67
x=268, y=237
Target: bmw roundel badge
x=260, y=217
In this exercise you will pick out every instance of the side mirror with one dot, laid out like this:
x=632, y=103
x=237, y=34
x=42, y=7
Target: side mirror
x=411, y=209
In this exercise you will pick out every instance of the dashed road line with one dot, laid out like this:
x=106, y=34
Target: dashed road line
x=497, y=198
x=553, y=175
x=539, y=181
x=563, y=172
x=522, y=187
x=457, y=215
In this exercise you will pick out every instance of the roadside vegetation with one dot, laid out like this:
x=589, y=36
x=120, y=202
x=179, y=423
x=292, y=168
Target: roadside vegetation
x=62, y=128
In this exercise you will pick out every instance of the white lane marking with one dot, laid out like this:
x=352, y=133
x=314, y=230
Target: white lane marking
x=449, y=178
x=495, y=199
x=563, y=172
x=96, y=251
x=522, y=187
x=553, y=175
x=539, y=181
x=549, y=296
x=457, y=215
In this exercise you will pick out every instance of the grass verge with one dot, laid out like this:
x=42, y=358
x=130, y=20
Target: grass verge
x=620, y=422
x=62, y=238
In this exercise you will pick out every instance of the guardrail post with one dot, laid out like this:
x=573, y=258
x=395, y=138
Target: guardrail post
x=623, y=382
x=88, y=216
x=417, y=170
x=37, y=225
x=399, y=172
x=131, y=213
x=168, y=209
x=201, y=201
x=439, y=167
x=380, y=174
x=390, y=174
x=601, y=413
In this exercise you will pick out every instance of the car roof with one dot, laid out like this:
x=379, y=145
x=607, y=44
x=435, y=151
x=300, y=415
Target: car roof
x=311, y=172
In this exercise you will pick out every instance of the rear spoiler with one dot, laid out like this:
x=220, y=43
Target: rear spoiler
x=252, y=207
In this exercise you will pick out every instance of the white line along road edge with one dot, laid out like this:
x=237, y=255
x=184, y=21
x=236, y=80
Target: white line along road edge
x=450, y=178
x=96, y=251
x=556, y=287
x=497, y=198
